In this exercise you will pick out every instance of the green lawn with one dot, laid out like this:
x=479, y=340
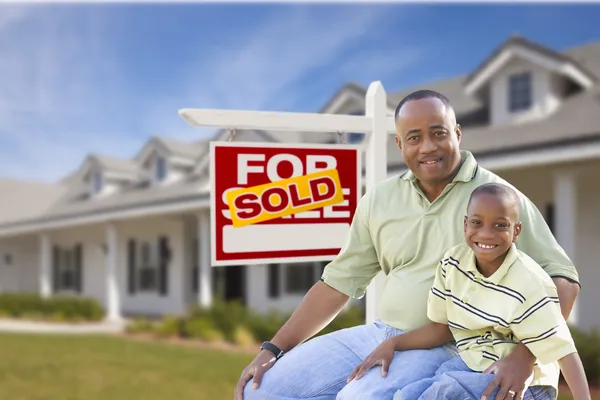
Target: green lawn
x=48, y=367
x=44, y=367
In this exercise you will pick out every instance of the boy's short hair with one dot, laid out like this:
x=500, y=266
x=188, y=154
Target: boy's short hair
x=497, y=189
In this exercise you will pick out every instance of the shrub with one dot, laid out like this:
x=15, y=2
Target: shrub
x=168, y=327
x=140, y=325
x=202, y=328
x=67, y=308
x=264, y=327
x=243, y=337
x=239, y=325
x=226, y=316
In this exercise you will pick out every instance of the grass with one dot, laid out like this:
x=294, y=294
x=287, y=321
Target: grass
x=52, y=367
x=36, y=367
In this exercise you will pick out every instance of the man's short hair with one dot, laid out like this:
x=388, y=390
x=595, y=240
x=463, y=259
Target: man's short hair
x=422, y=94
x=497, y=189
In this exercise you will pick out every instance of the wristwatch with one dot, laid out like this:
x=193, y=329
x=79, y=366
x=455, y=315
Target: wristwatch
x=273, y=349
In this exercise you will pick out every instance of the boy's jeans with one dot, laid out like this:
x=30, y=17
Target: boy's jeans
x=455, y=381
x=318, y=369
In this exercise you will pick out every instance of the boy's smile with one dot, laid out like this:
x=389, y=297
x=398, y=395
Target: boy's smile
x=491, y=227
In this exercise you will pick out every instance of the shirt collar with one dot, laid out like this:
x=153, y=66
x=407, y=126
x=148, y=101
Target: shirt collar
x=509, y=260
x=466, y=173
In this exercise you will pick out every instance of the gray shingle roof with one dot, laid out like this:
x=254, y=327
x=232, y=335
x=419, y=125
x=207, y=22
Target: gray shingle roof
x=180, y=148
x=114, y=164
x=578, y=117
x=22, y=200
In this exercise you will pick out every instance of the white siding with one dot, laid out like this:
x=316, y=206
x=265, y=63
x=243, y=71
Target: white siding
x=537, y=184
x=544, y=96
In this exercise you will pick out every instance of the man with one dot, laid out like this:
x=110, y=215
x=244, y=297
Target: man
x=402, y=227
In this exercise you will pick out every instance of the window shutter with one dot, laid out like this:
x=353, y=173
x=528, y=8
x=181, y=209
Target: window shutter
x=274, y=286
x=131, y=266
x=195, y=266
x=55, y=269
x=78, y=268
x=164, y=258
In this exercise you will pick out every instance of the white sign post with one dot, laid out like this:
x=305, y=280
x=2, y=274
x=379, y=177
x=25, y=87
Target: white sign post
x=375, y=124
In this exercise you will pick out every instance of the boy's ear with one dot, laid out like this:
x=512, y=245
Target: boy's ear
x=517, y=231
x=465, y=226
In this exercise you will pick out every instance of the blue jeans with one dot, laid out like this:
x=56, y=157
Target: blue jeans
x=455, y=381
x=318, y=368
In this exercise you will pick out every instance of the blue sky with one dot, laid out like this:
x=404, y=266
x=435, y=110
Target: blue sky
x=105, y=77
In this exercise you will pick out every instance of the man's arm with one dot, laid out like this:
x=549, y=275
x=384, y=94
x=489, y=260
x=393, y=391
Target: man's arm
x=567, y=293
x=346, y=276
x=318, y=308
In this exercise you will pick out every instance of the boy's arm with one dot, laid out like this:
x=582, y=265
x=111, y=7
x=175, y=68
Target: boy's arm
x=429, y=336
x=426, y=337
x=572, y=369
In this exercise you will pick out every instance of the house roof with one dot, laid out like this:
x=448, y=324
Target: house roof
x=577, y=119
x=519, y=41
x=578, y=116
x=182, y=149
x=22, y=200
x=114, y=164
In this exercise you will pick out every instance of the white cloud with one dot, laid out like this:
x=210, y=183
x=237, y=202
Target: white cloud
x=269, y=67
x=51, y=64
x=60, y=77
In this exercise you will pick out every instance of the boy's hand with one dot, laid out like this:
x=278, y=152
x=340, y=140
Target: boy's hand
x=382, y=355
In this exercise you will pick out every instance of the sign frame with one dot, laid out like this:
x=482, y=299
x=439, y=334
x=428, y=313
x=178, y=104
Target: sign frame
x=358, y=148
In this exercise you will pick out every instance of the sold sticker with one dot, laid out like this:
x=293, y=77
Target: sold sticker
x=284, y=197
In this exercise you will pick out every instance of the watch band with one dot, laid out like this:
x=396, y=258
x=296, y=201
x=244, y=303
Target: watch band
x=273, y=349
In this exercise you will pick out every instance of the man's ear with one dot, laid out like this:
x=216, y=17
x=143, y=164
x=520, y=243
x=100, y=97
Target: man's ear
x=458, y=131
x=399, y=142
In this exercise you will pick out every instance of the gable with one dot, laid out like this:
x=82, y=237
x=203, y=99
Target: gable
x=519, y=49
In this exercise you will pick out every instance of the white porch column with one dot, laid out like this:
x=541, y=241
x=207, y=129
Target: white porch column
x=113, y=301
x=565, y=219
x=376, y=171
x=205, y=270
x=45, y=265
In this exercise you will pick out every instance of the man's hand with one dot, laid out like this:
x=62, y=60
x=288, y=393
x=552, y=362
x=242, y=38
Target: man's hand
x=257, y=368
x=511, y=375
x=382, y=355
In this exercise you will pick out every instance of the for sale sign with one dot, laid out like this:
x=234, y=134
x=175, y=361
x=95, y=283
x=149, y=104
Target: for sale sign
x=273, y=203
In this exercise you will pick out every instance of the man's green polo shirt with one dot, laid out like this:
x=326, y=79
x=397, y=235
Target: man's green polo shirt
x=398, y=230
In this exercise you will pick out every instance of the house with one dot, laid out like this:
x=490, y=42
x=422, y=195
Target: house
x=134, y=233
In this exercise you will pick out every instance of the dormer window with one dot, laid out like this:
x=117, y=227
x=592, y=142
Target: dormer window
x=161, y=169
x=97, y=182
x=520, y=92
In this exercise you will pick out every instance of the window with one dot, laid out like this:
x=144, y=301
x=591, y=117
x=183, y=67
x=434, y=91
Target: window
x=67, y=268
x=147, y=269
x=161, y=169
x=97, y=182
x=299, y=278
x=355, y=137
x=147, y=265
x=519, y=92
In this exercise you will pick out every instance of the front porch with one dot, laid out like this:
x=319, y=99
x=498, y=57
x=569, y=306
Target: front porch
x=568, y=196
x=151, y=266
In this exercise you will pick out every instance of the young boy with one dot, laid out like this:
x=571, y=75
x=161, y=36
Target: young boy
x=488, y=296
